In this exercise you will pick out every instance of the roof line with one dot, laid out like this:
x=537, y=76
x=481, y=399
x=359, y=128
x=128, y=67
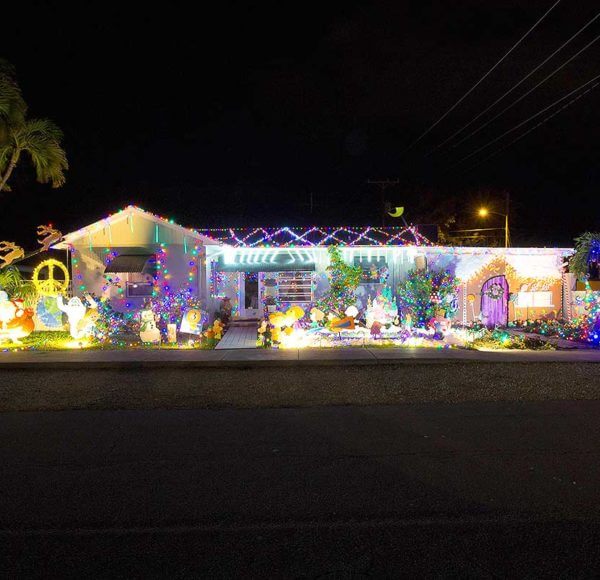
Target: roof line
x=123, y=214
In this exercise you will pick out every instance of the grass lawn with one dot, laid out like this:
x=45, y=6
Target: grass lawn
x=61, y=340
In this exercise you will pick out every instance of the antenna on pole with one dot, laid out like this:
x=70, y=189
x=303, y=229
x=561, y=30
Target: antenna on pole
x=383, y=184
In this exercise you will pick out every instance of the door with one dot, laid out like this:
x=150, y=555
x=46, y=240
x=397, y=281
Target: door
x=250, y=296
x=494, y=302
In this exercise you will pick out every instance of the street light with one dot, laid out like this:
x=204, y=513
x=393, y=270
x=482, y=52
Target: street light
x=484, y=212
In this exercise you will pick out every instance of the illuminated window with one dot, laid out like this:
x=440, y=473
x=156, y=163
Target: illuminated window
x=295, y=286
x=374, y=269
x=139, y=289
x=534, y=300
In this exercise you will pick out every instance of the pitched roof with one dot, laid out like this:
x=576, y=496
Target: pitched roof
x=125, y=213
x=316, y=236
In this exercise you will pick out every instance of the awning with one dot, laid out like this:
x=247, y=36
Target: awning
x=270, y=260
x=134, y=263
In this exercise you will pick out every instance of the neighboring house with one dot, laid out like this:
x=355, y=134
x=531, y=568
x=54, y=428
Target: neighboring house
x=133, y=253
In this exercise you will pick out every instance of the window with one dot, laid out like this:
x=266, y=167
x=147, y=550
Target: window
x=137, y=289
x=374, y=270
x=294, y=286
x=534, y=299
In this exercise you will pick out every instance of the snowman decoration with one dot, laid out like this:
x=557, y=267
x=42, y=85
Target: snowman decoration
x=149, y=332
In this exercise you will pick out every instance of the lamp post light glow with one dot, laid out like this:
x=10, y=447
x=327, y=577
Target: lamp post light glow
x=484, y=212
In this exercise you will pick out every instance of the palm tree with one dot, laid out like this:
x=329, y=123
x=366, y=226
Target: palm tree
x=586, y=244
x=13, y=283
x=40, y=139
x=12, y=105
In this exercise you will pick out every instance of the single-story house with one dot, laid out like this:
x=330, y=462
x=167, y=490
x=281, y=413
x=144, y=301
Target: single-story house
x=131, y=254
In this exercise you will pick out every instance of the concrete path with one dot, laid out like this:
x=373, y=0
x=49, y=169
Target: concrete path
x=252, y=357
x=238, y=337
x=494, y=490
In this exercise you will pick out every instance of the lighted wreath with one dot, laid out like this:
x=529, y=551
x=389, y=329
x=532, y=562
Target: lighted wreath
x=494, y=292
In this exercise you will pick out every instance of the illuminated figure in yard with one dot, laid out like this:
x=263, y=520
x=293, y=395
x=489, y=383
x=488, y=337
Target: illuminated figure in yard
x=149, y=332
x=49, y=236
x=11, y=253
x=81, y=320
x=16, y=321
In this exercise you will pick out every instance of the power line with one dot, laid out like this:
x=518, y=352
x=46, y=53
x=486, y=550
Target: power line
x=563, y=65
x=481, y=79
x=525, y=122
x=515, y=86
x=498, y=151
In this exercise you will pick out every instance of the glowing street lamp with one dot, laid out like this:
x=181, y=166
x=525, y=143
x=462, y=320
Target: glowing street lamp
x=485, y=212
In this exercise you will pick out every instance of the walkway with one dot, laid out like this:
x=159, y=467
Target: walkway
x=238, y=337
x=292, y=357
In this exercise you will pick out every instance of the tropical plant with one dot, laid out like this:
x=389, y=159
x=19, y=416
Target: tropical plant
x=343, y=281
x=40, y=139
x=13, y=283
x=587, y=246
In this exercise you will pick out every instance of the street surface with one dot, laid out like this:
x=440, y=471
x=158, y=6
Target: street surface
x=474, y=489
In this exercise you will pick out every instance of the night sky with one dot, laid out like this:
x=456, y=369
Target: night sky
x=235, y=115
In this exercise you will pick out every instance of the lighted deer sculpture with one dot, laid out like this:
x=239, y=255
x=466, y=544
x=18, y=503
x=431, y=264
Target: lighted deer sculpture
x=49, y=235
x=13, y=252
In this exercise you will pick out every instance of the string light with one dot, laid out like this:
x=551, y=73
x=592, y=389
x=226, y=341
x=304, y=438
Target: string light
x=315, y=236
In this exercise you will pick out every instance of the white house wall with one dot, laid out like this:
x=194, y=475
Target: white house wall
x=526, y=269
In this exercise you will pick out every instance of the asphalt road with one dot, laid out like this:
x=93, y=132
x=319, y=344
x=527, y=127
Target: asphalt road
x=258, y=386
x=475, y=489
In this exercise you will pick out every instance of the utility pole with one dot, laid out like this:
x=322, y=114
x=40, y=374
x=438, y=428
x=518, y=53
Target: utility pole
x=383, y=184
x=506, y=212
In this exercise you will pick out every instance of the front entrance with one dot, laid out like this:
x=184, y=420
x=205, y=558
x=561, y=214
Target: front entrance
x=250, y=295
x=494, y=302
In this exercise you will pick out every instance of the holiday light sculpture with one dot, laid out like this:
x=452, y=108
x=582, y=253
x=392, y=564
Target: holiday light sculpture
x=50, y=236
x=13, y=252
x=48, y=285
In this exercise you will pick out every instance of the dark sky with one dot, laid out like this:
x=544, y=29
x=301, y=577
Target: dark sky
x=232, y=113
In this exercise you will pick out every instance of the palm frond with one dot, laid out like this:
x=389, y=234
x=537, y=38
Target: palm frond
x=41, y=138
x=12, y=104
x=13, y=283
x=579, y=261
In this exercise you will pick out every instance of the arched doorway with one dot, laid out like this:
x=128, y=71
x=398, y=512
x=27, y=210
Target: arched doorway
x=494, y=302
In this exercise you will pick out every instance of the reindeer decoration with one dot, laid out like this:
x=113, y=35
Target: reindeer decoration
x=13, y=252
x=49, y=236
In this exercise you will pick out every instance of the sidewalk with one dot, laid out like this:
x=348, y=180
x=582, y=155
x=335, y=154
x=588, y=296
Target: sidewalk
x=293, y=357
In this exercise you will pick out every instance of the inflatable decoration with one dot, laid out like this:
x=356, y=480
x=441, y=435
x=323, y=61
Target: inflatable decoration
x=81, y=321
x=149, y=332
x=346, y=323
x=16, y=321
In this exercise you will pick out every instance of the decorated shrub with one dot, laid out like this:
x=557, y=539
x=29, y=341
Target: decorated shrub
x=343, y=281
x=426, y=294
